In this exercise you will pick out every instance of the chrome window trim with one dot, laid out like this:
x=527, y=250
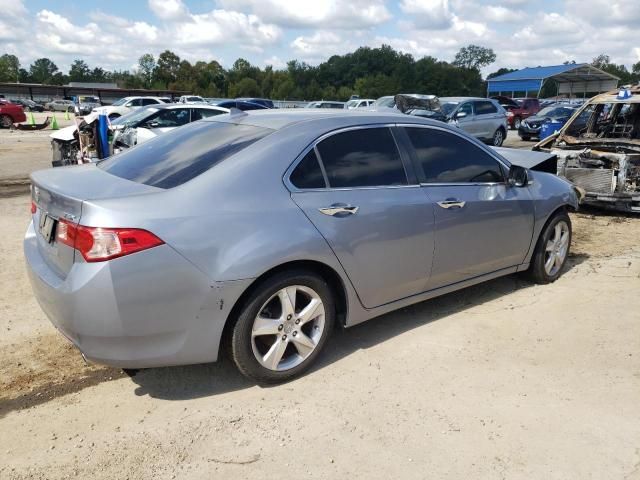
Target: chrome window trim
x=483, y=147
x=293, y=189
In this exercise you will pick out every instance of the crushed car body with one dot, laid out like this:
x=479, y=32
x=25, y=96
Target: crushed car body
x=602, y=157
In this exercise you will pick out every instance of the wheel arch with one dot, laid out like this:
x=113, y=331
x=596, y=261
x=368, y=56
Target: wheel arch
x=333, y=279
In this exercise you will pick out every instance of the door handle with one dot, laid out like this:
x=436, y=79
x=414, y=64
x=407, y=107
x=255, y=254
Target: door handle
x=451, y=203
x=338, y=209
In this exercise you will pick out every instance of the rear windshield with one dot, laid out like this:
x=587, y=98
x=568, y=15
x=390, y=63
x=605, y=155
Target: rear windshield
x=172, y=159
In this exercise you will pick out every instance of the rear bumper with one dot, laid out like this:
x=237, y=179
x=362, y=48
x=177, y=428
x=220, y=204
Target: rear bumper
x=149, y=309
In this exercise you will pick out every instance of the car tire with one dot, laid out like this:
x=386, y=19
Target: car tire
x=267, y=343
x=498, y=137
x=516, y=123
x=525, y=138
x=552, y=250
x=6, y=121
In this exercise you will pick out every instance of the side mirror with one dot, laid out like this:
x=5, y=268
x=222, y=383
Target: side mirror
x=518, y=176
x=461, y=115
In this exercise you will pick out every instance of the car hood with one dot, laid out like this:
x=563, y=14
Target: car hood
x=541, y=161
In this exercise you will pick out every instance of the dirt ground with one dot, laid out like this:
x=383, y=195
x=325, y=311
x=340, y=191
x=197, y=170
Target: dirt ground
x=501, y=380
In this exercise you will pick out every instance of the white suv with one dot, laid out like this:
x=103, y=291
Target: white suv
x=126, y=105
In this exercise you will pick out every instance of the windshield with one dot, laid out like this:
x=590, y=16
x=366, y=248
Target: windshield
x=171, y=160
x=122, y=101
x=352, y=103
x=448, y=107
x=136, y=116
x=555, y=111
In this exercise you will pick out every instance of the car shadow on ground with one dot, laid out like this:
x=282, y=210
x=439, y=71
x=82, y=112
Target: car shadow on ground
x=188, y=382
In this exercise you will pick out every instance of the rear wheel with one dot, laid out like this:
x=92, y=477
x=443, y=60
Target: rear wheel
x=282, y=327
x=6, y=121
x=498, y=138
x=552, y=250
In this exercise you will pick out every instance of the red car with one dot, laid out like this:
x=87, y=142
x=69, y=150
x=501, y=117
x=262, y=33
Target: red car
x=10, y=113
x=518, y=109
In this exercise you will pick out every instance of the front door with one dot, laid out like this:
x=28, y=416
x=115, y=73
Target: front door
x=378, y=225
x=482, y=224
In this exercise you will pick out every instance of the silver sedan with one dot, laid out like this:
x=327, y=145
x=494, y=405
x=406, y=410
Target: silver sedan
x=263, y=231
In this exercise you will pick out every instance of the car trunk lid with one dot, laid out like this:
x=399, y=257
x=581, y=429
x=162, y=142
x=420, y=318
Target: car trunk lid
x=58, y=195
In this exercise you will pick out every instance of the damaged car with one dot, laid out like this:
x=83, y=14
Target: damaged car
x=598, y=150
x=79, y=143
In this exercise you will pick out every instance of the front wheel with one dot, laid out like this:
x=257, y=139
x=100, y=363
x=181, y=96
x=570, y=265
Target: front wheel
x=552, y=250
x=282, y=327
x=498, y=138
x=525, y=138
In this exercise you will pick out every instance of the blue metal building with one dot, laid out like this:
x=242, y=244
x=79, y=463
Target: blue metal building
x=572, y=80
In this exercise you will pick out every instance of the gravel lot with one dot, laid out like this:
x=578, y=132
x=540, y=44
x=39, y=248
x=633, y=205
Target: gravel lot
x=502, y=380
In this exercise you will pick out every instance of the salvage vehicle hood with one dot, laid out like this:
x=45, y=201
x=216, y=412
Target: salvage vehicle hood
x=406, y=102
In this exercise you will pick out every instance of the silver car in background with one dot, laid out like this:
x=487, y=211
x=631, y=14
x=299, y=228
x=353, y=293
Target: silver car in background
x=261, y=231
x=483, y=118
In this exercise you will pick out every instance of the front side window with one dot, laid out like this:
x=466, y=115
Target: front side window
x=362, y=158
x=171, y=160
x=174, y=117
x=444, y=157
x=466, y=108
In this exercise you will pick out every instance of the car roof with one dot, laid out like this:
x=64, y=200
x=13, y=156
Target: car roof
x=277, y=119
x=462, y=99
x=169, y=106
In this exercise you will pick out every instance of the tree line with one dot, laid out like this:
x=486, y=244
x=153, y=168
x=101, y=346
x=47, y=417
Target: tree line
x=368, y=72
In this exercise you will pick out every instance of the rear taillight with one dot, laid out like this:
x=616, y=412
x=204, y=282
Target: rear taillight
x=98, y=244
x=34, y=208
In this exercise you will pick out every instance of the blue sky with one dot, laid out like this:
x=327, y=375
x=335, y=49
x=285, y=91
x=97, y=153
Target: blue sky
x=114, y=34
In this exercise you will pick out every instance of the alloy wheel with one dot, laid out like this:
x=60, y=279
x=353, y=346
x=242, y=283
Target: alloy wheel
x=497, y=138
x=556, y=249
x=288, y=328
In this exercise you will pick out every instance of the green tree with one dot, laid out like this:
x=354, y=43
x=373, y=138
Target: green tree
x=474, y=57
x=501, y=71
x=79, y=71
x=42, y=70
x=166, y=70
x=9, y=68
x=146, y=66
x=247, y=87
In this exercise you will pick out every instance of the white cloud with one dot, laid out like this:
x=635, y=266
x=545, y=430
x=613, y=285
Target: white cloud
x=498, y=13
x=334, y=14
x=276, y=62
x=321, y=45
x=431, y=14
x=168, y=9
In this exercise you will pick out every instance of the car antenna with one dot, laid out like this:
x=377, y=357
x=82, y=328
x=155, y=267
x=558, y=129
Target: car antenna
x=235, y=112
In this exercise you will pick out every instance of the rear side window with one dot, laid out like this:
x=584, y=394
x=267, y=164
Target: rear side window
x=444, y=157
x=362, y=158
x=199, y=113
x=308, y=174
x=149, y=101
x=171, y=160
x=483, y=108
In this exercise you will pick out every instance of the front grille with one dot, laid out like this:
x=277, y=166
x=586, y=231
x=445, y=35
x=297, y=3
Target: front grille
x=592, y=179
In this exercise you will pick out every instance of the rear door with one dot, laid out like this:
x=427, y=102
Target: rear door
x=482, y=224
x=354, y=187
x=488, y=119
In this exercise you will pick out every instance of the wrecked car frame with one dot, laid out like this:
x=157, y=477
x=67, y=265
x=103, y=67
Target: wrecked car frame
x=602, y=155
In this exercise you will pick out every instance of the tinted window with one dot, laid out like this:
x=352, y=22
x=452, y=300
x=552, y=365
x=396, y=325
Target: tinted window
x=198, y=113
x=149, y=101
x=308, y=174
x=483, y=108
x=171, y=160
x=466, y=108
x=174, y=117
x=362, y=158
x=444, y=157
